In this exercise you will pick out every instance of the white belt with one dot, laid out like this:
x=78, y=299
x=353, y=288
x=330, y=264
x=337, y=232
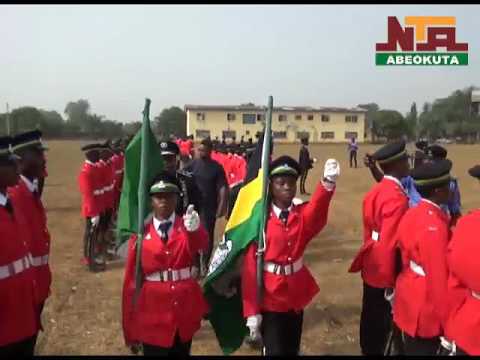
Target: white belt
x=448, y=345
x=40, y=260
x=15, y=267
x=375, y=236
x=171, y=275
x=108, y=188
x=288, y=269
x=98, y=192
x=417, y=269
x=476, y=295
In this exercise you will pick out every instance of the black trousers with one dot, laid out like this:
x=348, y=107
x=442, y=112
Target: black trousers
x=303, y=179
x=86, y=237
x=178, y=349
x=282, y=332
x=420, y=346
x=208, y=220
x=375, y=321
x=24, y=348
x=353, y=158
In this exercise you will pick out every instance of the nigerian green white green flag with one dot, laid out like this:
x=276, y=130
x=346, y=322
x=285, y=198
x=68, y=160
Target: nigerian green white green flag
x=244, y=226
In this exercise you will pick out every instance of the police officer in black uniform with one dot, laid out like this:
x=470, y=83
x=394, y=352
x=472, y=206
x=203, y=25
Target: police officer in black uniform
x=189, y=191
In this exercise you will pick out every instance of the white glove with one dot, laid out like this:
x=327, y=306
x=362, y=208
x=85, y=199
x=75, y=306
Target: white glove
x=253, y=323
x=191, y=219
x=332, y=170
x=95, y=220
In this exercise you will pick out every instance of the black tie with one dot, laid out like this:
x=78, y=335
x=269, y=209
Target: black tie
x=284, y=216
x=164, y=227
x=9, y=207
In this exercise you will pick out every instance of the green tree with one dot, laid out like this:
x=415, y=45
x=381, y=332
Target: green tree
x=171, y=121
x=412, y=120
x=391, y=124
x=78, y=113
x=131, y=128
x=52, y=123
x=25, y=118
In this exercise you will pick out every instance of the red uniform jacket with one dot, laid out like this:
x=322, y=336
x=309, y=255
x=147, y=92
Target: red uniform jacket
x=163, y=308
x=285, y=245
x=89, y=184
x=18, y=314
x=117, y=161
x=420, y=302
x=463, y=324
x=104, y=180
x=383, y=207
x=39, y=240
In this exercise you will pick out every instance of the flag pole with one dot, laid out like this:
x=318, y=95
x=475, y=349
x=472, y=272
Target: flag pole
x=265, y=174
x=142, y=188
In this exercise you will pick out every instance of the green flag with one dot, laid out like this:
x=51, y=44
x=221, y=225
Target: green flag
x=142, y=163
x=244, y=226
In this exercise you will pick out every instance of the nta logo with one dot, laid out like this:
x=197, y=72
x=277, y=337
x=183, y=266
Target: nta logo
x=417, y=43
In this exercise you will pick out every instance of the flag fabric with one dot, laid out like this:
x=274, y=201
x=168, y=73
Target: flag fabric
x=142, y=157
x=243, y=227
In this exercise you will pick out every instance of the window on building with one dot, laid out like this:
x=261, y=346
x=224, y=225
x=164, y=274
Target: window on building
x=247, y=132
x=200, y=116
x=351, y=118
x=328, y=135
x=350, y=134
x=310, y=117
x=202, y=134
x=303, y=135
x=325, y=118
x=282, y=117
x=249, y=118
x=260, y=117
x=229, y=134
x=230, y=116
x=298, y=117
x=279, y=134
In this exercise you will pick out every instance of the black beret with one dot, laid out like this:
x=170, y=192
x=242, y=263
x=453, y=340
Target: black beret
x=284, y=165
x=433, y=173
x=164, y=182
x=6, y=156
x=422, y=144
x=29, y=139
x=475, y=171
x=436, y=152
x=391, y=152
x=92, y=147
x=169, y=148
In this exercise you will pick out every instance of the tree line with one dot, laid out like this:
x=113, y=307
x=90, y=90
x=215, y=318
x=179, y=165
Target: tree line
x=80, y=122
x=451, y=117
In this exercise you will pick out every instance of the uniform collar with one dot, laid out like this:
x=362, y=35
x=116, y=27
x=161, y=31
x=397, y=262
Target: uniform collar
x=89, y=162
x=431, y=203
x=31, y=186
x=157, y=223
x=277, y=210
x=3, y=199
x=396, y=181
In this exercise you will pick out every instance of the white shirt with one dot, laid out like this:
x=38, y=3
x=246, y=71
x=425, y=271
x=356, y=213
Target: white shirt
x=3, y=199
x=31, y=186
x=277, y=210
x=157, y=223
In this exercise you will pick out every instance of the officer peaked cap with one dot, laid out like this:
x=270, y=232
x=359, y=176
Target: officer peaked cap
x=169, y=148
x=284, y=165
x=6, y=155
x=432, y=174
x=164, y=183
x=436, y=152
x=29, y=139
x=390, y=152
x=475, y=171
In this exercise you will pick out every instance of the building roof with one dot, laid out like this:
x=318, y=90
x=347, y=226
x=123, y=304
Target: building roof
x=253, y=107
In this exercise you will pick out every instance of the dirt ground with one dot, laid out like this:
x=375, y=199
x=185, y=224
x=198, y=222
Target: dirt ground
x=83, y=314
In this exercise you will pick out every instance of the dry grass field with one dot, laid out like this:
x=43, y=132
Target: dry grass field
x=83, y=314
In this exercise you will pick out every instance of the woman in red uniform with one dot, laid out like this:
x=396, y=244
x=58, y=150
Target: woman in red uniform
x=19, y=323
x=419, y=308
x=462, y=329
x=289, y=286
x=170, y=306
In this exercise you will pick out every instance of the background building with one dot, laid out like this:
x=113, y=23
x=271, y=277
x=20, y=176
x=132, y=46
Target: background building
x=476, y=102
x=289, y=124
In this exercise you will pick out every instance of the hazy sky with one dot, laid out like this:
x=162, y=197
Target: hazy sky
x=317, y=55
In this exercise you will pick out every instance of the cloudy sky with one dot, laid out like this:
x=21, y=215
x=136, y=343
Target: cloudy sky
x=316, y=55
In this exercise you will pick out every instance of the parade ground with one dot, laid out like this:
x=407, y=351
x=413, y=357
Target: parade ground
x=83, y=314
